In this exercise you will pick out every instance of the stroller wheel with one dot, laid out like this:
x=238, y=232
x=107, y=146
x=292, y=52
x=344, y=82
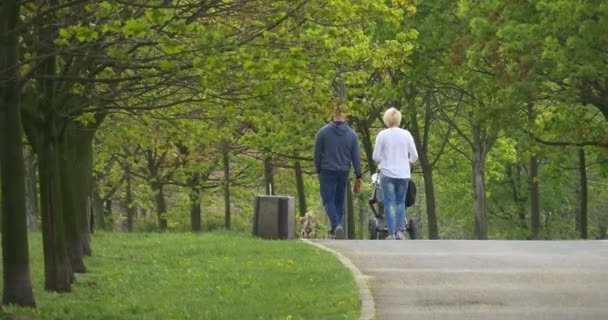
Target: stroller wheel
x=411, y=229
x=382, y=234
x=372, y=229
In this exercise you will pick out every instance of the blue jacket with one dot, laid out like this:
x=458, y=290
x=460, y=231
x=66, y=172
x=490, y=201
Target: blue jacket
x=336, y=147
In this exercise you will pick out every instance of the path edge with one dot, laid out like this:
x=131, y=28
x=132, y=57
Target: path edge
x=368, y=306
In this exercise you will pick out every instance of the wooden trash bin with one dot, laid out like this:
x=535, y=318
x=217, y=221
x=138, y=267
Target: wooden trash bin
x=274, y=217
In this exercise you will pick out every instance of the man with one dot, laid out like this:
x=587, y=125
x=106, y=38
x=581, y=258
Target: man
x=336, y=147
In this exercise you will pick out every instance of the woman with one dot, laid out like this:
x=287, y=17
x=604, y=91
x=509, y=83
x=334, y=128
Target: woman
x=394, y=151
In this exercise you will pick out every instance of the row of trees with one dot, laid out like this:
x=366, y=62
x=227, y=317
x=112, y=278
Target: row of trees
x=145, y=102
x=68, y=64
x=467, y=99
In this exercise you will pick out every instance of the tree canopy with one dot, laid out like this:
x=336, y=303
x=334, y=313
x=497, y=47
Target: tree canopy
x=173, y=115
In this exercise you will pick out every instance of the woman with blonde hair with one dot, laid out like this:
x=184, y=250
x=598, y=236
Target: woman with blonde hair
x=394, y=151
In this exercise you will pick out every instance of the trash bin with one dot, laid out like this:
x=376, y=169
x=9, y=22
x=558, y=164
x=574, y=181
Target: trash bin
x=274, y=217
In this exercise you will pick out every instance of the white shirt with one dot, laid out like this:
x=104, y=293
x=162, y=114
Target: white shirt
x=394, y=150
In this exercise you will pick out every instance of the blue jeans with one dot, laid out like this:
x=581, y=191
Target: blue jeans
x=333, y=190
x=393, y=191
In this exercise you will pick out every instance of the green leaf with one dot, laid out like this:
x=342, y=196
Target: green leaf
x=135, y=28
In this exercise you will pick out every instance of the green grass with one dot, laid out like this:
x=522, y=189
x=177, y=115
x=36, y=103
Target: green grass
x=216, y=275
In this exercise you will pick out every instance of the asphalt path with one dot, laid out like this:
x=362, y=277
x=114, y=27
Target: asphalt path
x=466, y=279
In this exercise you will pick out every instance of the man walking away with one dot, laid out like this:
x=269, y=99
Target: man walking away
x=336, y=148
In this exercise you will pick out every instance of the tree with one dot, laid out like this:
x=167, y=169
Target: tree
x=554, y=48
x=82, y=65
x=31, y=190
x=15, y=250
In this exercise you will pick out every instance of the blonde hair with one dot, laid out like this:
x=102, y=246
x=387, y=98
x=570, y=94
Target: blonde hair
x=392, y=117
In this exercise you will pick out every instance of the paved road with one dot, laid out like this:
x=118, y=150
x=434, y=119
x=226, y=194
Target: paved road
x=452, y=279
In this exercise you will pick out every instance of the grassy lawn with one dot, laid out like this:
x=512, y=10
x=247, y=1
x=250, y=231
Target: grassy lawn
x=216, y=275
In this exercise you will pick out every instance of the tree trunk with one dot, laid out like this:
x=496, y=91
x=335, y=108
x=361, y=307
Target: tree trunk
x=366, y=140
x=129, y=198
x=98, y=209
x=534, y=186
x=194, y=181
x=83, y=175
x=31, y=190
x=195, y=210
x=584, y=195
x=161, y=206
x=534, y=199
x=300, y=188
x=15, y=254
x=42, y=126
x=69, y=192
x=479, y=185
x=514, y=172
x=429, y=191
x=350, y=212
x=269, y=175
x=227, y=214
x=421, y=137
x=107, y=210
x=362, y=215
x=57, y=268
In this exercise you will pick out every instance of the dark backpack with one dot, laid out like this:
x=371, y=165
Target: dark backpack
x=410, y=196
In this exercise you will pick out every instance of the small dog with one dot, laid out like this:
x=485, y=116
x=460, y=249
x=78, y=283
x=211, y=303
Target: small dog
x=309, y=226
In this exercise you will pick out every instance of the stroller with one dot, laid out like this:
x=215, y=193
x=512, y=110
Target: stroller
x=377, y=224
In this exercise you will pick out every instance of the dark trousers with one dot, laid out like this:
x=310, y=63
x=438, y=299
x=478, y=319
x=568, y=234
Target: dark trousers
x=333, y=190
